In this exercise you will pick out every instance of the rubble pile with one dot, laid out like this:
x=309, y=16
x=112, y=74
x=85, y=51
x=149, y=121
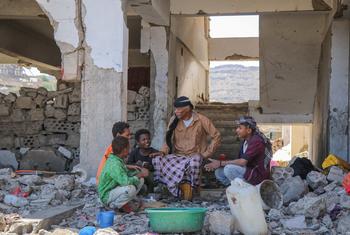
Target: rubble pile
x=316, y=205
x=40, y=119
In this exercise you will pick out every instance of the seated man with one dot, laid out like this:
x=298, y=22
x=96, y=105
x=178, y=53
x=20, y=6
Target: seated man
x=118, y=185
x=186, y=145
x=119, y=129
x=253, y=163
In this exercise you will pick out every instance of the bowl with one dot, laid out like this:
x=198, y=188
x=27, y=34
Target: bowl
x=176, y=220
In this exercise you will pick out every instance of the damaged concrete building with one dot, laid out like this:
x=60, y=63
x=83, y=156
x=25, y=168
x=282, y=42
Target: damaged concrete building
x=128, y=60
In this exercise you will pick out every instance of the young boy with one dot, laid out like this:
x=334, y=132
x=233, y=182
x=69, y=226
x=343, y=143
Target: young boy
x=119, y=129
x=119, y=185
x=140, y=156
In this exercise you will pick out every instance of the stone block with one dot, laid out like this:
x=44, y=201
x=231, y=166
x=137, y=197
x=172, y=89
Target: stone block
x=65, y=182
x=345, y=201
x=292, y=189
x=61, y=101
x=143, y=114
x=74, y=109
x=36, y=115
x=336, y=174
x=221, y=222
x=74, y=119
x=28, y=91
x=34, y=127
x=62, y=86
x=49, y=111
x=136, y=125
x=40, y=101
x=18, y=115
x=42, y=91
x=131, y=116
x=7, y=141
x=56, y=139
x=24, y=102
x=316, y=179
x=73, y=140
x=75, y=96
x=4, y=110
x=131, y=108
x=28, y=142
x=10, y=98
x=42, y=160
x=8, y=159
x=65, y=152
x=132, y=97
x=145, y=91
x=141, y=101
x=60, y=114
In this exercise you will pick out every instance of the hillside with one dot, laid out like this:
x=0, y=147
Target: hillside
x=234, y=83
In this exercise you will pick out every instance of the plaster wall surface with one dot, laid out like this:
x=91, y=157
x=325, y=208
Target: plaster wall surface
x=289, y=58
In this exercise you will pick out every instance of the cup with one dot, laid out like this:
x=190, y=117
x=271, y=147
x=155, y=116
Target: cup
x=105, y=218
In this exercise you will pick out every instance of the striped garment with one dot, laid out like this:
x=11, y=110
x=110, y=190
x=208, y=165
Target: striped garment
x=172, y=170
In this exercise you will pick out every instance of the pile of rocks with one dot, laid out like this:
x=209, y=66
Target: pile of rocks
x=139, y=109
x=41, y=119
x=315, y=205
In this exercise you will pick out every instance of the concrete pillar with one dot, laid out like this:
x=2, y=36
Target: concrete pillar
x=339, y=90
x=104, y=82
x=159, y=84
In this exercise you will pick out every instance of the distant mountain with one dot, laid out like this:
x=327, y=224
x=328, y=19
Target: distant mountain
x=234, y=83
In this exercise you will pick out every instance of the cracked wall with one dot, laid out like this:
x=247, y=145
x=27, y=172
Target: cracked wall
x=93, y=39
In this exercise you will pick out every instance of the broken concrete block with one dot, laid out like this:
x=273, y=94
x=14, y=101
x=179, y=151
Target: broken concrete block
x=131, y=96
x=61, y=101
x=292, y=189
x=316, y=179
x=311, y=207
x=18, y=115
x=275, y=215
x=15, y=201
x=24, y=102
x=10, y=98
x=42, y=160
x=42, y=91
x=23, y=151
x=73, y=140
x=344, y=225
x=140, y=101
x=21, y=228
x=45, y=218
x=36, y=115
x=221, y=222
x=30, y=180
x=106, y=231
x=28, y=91
x=8, y=159
x=65, y=152
x=131, y=108
x=65, y=182
x=60, y=114
x=131, y=116
x=2, y=223
x=4, y=110
x=144, y=91
x=336, y=174
x=62, y=86
x=74, y=109
x=297, y=222
x=345, y=201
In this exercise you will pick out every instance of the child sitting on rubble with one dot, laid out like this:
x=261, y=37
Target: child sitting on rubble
x=118, y=185
x=142, y=156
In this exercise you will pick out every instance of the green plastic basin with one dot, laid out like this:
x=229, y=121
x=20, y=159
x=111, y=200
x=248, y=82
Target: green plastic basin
x=176, y=220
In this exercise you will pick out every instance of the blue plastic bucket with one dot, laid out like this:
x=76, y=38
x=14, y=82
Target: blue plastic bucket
x=105, y=219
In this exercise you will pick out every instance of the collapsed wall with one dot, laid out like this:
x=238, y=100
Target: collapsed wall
x=41, y=119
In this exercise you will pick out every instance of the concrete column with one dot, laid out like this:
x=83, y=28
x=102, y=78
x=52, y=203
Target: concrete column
x=104, y=82
x=159, y=83
x=339, y=90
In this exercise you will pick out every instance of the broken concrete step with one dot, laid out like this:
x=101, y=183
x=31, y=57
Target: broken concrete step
x=46, y=218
